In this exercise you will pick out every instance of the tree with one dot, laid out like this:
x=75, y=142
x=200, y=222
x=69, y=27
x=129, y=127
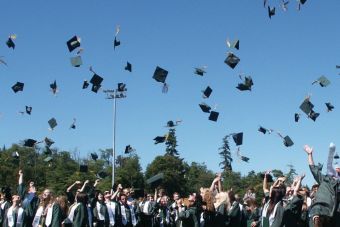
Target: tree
x=173, y=169
x=129, y=173
x=291, y=174
x=198, y=176
x=171, y=143
x=225, y=155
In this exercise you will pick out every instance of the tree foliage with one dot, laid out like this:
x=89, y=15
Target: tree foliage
x=225, y=155
x=171, y=143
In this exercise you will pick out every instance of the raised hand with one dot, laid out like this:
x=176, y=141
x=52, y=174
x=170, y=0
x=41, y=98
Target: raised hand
x=308, y=149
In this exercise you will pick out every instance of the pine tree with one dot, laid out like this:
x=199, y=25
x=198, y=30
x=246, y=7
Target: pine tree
x=225, y=155
x=171, y=143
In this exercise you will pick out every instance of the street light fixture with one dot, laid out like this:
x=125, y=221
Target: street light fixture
x=115, y=94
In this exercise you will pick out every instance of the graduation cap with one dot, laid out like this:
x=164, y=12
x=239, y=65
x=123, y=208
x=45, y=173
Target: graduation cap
x=313, y=115
x=238, y=138
x=160, y=74
x=48, y=159
x=271, y=12
x=284, y=5
x=121, y=87
x=329, y=106
x=205, y=107
x=302, y=1
x=159, y=139
x=306, y=106
x=116, y=43
x=323, y=81
x=128, y=67
x=128, y=149
x=263, y=130
x=29, y=142
x=73, y=43
x=48, y=142
x=235, y=44
x=54, y=87
x=18, y=87
x=336, y=156
x=246, y=85
x=232, y=60
x=96, y=82
x=83, y=168
x=73, y=125
x=296, y=117
x=28, y=110
x=245, y=159
x=213, y=116
x=52, y=123
x=76, y=61
x=85, y=84
x=155, y=180
x=287, y=141
x=200, y=71
x=170, y=124
x=102, y=174
x=94, y=156
x=10, y=43
x=207, y=92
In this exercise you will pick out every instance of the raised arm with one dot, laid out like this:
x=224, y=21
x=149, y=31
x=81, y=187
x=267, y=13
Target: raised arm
x=84, y=186
x=72, y=186
x=298, y=184
x=265, y=183
x=330, y=170
x=21, y=177
x=309, y=151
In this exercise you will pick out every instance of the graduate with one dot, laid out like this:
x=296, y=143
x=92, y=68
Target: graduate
x=78, y=212
x=49, y=213
x=188, y=216
x=5, y=202
x=125, y=214
x=100, y=211
x=15, y=216
x=163, y=215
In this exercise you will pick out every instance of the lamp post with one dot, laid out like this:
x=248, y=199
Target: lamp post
x=115, y=94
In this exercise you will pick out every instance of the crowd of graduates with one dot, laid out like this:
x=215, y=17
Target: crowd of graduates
x=83, y=205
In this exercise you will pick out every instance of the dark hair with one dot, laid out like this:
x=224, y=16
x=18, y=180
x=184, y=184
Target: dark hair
x=276, y=196
x=82, y=198
x=96, y=193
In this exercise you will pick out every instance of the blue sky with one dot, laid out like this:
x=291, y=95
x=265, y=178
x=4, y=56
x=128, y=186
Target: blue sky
x=283, y=55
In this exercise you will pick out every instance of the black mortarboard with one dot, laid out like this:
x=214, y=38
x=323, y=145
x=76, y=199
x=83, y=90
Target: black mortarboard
x=306, y=106
x=245, y=159
x=199, y=71
x=155, y=180
x=85, y=84
x=296, y=117
x=170, y=124
x=10, y=43
x=159, y=139
x=263, y=130
x=48, y=159
x=330, y=107
x=83, y=168
x=52, y=123
x=73, y=43
x=207, y=92
x=287, y=141
x=101, y=175
x=48, y=142
x=76, y=61
x=205, y=107
x=232, y=60
x=323, y=81
x=271, y=11
x=160, y=74
x=96, y=82
x=47, y=151
x=18, y=87
x=29, y=142
x=336, y=156
x=28, y=110
x=54, y=87
x=248, y=82
x=94, y=156
x=313, y=115
x=128, y=67
x=128, y=149
x=235, y=44
x=116, y=43
x=269, y=177
x=238, y=138
x=213, y=116
x=121, y=87
x=302, y=1
x=73, y=125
